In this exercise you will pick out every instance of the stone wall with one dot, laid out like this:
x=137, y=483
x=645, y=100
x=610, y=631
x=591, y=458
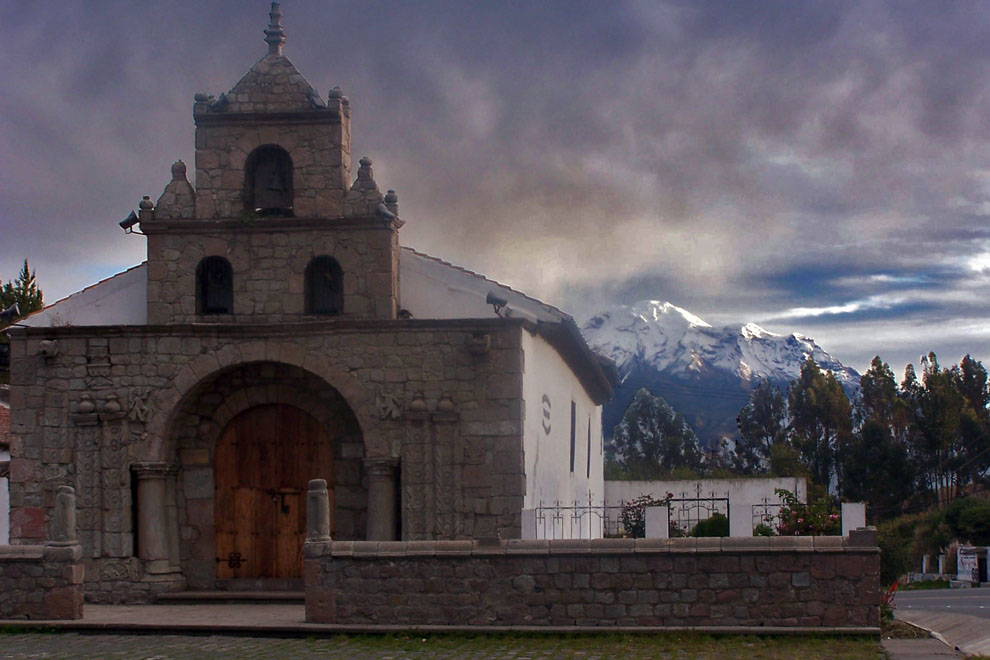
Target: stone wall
x=40, y=582
x=113, y=397
x=790, y=582
x=268, y=257
x=318, y=143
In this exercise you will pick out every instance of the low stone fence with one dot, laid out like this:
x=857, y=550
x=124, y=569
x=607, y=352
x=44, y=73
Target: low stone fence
x=757, y=582
x=45, y=581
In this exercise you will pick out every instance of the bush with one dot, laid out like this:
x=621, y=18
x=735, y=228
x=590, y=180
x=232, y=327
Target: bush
x=717, y=525
x=817, y=518
x=898, y=547
x=973, y=521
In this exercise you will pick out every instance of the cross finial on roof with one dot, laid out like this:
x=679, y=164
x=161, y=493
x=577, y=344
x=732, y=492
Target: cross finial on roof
x=274, y=34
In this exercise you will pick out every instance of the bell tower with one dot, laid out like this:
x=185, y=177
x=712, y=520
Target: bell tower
x=271, y=204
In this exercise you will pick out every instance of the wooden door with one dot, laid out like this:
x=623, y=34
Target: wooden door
x=264, y=460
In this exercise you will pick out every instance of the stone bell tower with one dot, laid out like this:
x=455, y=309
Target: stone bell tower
x=272, y=231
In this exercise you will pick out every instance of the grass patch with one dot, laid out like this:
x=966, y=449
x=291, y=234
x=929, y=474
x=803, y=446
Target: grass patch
x=898, y=629
x=926, y=584
x=626, y=646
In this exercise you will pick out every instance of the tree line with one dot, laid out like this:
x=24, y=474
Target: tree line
x=897, y=446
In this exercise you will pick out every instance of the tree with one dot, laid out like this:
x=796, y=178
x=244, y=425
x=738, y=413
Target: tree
x=24, y=291
x=762, y=424
x=877, y=469
x=821, y=421
x=939, y=411
x=652, y=440
x=879, y=398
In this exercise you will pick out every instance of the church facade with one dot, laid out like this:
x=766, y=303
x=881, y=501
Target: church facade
x=278, y=332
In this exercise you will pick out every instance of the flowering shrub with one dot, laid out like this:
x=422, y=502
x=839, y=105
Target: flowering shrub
x=818, y=518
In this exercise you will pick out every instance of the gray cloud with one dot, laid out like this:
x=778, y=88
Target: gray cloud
x=737, y=159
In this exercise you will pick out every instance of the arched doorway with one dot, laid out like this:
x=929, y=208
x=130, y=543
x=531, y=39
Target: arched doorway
x=265, y=456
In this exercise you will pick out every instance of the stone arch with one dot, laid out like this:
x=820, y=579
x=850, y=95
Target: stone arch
x=167, y=401
x=194, y=434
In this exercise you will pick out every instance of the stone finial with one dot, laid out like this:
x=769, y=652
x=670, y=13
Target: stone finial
x=335, y=93
x=274, y=34
x=86, y=405
x=178, y=200
x=146, y=204
x=364, y=171
x=178, y=171
x=392, y=202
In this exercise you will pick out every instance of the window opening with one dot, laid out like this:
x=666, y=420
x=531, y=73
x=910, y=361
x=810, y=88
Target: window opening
x=214, y=286
x=573, y=433
x=324, y=287
x=588, y=475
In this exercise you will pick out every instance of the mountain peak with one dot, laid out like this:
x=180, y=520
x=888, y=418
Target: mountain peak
x=694, y=365
x=754, y=331
x=657, y=309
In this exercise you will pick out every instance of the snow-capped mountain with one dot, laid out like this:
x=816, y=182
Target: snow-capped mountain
x=705, y=373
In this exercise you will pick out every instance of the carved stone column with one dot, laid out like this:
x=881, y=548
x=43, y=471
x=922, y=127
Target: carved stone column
x=172, y=520
x=153, y=518
x=381, y=498
x=64, y=518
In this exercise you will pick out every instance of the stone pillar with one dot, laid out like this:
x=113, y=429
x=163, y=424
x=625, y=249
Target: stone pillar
x=657, y=522
x=317, y=512
x=153, y=526
x=172, y=520
x=381, y=498
x=64, y=518
x=853, y=516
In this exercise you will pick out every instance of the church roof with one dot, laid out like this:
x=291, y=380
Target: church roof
x=431, y=289
x=273, y=84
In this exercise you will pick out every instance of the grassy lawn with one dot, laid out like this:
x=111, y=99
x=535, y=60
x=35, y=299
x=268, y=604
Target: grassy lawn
x=17, y=645
x=626, y=647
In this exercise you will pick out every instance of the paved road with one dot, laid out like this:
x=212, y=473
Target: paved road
x=972, y=602
x=960, y=616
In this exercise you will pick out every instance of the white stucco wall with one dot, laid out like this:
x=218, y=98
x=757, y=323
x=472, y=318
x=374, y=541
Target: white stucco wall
x=118, y=300
x=743, y=494
x=430, y=288
x=549, y=387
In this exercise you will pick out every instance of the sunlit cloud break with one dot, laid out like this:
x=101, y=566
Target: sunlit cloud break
x=872, y=302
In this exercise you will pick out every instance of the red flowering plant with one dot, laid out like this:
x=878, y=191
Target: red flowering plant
x=818, y=518
x=887, y=603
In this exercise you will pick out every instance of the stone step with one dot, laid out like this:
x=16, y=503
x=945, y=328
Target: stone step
x=231, y=597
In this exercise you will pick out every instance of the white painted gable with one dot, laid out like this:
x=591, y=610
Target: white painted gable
x=118, y=300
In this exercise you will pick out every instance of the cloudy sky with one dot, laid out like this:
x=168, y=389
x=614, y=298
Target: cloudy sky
x=820, y=167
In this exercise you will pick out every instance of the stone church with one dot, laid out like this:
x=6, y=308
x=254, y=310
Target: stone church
x=278, y=332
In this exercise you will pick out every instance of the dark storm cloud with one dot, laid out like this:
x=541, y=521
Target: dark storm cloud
x=738, y=159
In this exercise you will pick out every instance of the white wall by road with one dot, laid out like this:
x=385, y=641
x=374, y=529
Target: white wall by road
x=743, y=494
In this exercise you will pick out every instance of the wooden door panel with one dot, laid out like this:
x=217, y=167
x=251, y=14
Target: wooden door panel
x=264, y=460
